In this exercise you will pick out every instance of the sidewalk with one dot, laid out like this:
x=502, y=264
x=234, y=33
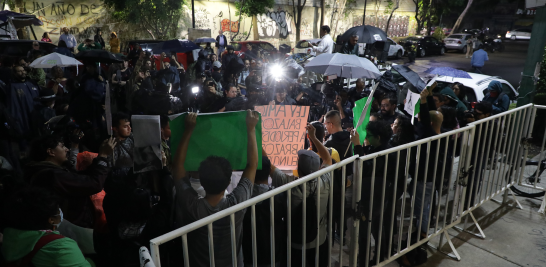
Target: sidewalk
x=514, y=237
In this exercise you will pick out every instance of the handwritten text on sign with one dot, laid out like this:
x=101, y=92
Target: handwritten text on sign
x=283, y=133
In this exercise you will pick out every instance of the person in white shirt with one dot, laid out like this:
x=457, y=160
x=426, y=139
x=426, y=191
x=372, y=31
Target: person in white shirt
x=69, y=39
x=326, y=45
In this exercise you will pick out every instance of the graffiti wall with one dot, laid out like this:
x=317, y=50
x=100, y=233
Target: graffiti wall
x=276, y=26
x=81, y=17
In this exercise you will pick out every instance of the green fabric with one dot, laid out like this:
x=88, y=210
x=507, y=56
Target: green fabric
x=357, y=111
x=83, y=47
x=461, y=107
x=218, y=134
x=61, y=252
x=39, y=76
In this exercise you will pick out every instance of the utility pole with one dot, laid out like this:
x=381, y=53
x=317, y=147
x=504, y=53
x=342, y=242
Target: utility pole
x=193, y=14
x=364, y=15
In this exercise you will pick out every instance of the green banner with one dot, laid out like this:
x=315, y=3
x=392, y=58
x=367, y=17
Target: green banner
x=357, y=111
x=216, y=134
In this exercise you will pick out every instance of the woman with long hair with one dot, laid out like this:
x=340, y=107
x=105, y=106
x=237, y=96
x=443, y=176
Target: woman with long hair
x=45, y=38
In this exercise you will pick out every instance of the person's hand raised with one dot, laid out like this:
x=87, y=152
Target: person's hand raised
x=424, y=95
x=252, y=118
x=355, y=137
x=107, y=147
x=310, y=130
x=191, y=121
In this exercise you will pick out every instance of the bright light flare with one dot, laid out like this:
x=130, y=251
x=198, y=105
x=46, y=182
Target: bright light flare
x=195, y=90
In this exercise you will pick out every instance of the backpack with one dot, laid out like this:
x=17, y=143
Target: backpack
x=26, y=260
x=312, y=224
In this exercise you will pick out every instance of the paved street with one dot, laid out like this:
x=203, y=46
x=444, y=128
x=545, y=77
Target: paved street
x=508, y=64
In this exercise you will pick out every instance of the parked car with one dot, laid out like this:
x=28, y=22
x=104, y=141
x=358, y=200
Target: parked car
x=457, y=41
x=146, y=45
x=19, y=48
x=303, y=47
x=425, y=45
x=395, y=50
x=240, y=48
x=475, y=88
x=519, y=34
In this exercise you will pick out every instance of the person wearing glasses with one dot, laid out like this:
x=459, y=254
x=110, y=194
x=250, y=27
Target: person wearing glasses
x=388, y=108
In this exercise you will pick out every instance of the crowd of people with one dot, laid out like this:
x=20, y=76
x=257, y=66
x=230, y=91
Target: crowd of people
x=59, y=164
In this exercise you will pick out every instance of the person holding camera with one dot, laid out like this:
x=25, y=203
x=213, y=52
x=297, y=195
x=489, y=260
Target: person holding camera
x=281, y=98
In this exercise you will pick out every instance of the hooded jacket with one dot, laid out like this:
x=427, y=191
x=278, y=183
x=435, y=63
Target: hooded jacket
x=501, y=102
x=60, y=252
x=74, y=188
x=461, y=107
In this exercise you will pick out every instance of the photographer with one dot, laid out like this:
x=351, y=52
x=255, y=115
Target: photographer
x=344, y=107
x=281, y=98
x=208, y=100
x=357, y=93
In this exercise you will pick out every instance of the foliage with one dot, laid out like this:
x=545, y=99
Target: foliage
x=158, y=17
x=251, y=8
x=389, y=7
x=439, y=34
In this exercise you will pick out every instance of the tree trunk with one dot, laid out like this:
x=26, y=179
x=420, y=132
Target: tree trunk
x=321, y=16
x=419, y=25
x=20, y=8
x=392, y=12
x=298, y=23
x=364, y=14
x=255, y=28
x=461, y=17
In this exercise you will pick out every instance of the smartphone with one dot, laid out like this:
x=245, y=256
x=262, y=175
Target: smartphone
x=211, y=84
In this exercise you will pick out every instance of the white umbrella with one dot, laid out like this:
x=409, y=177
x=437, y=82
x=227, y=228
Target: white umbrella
x=54, y=59
x=342, y=65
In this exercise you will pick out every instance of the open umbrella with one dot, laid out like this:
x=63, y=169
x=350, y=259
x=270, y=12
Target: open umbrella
x=366, y=34
x=342, y=65
x=98, y=55
x=449, y=72
x=204, y=40
x=176, y=45
x=54, y=59
x=411, y=76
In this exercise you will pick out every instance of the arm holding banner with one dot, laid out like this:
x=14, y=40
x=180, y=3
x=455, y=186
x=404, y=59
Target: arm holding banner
x=252, y=118
x=179, y=171
x=321, y=149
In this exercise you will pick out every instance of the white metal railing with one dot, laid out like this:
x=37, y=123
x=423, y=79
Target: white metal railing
x=498, y=136
x=500, y=167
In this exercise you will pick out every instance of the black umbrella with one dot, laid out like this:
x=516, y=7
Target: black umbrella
x=98, y=55
x=386, y=82
x=176, y=45
x=366, y=34
x=411, y=76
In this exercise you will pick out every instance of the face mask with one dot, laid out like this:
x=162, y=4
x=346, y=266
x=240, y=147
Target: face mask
x=58, y=224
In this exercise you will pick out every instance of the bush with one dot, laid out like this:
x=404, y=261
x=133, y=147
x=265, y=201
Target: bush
x=439, y=34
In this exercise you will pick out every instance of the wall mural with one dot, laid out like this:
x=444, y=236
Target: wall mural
x=276, y=26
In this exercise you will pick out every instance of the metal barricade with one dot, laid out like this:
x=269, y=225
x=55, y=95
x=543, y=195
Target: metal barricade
x=463, y=169
x=497, y=157
x=230, y=212
x=438, y=152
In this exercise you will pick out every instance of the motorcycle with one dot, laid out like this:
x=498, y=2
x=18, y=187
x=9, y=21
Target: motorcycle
x=493, y=45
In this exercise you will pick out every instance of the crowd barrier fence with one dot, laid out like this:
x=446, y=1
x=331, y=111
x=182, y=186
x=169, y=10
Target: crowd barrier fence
x=411, y=205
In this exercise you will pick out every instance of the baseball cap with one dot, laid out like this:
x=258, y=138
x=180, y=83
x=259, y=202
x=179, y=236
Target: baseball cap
x=217, y=64
x=308, y=162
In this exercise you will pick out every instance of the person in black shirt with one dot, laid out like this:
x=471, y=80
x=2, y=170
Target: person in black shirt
x=388, y=108
x=357, y=93
x=249, y=53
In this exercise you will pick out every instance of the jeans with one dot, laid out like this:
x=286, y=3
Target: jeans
x=427, y=204
x=477, y=69
x=220, y=51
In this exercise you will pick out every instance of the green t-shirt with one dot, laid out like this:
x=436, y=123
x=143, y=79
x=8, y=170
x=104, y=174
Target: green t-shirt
x=62, y=252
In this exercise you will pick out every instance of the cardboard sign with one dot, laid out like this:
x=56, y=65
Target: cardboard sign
x=283, y=133
x=412, y=105
x=147, y=135
x=221, y=134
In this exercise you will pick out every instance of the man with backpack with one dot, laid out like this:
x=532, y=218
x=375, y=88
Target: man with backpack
x=308, y=163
